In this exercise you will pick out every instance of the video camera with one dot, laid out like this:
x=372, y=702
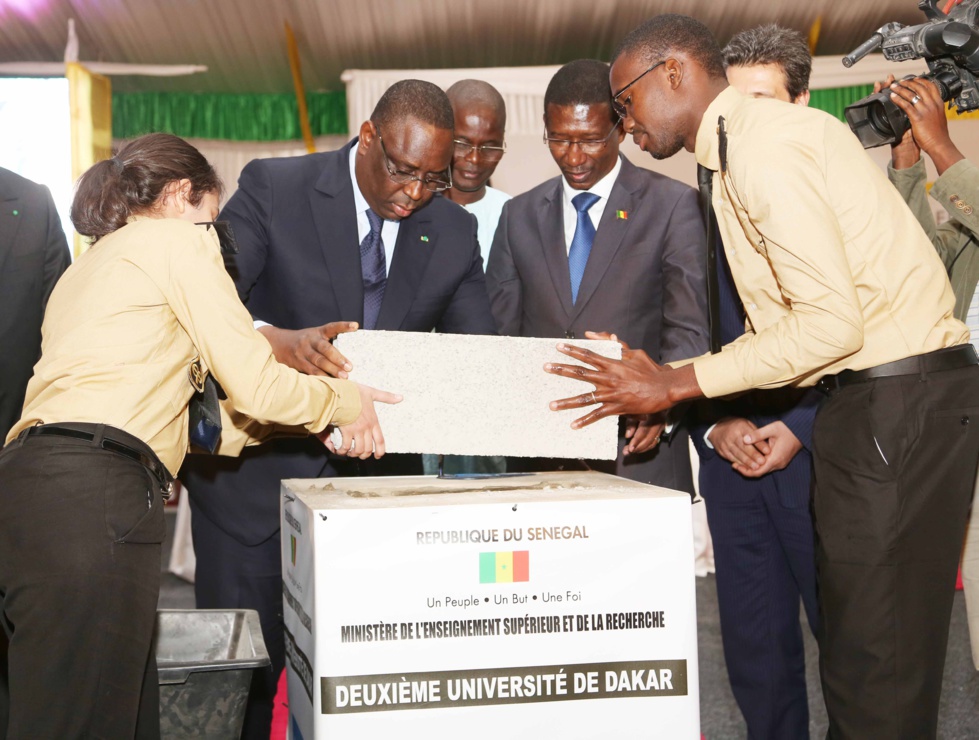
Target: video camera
x=948, y=43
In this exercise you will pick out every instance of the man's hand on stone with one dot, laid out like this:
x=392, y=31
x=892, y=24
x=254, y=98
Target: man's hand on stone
x=311, y=350
x=634, y=385
x=643, y=431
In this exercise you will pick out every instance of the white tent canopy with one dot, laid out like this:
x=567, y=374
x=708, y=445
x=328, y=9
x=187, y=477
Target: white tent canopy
x=242, y=42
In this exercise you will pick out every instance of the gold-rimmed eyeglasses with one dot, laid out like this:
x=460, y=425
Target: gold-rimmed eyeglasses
x=621, y=107
x=485, y=152
x=435, y=182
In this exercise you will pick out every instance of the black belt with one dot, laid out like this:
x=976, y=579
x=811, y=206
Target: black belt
x=109, y=441
x=950, y=358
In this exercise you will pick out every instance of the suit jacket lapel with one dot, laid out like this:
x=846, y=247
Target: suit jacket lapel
x=411, y=256
x=334, y=213
x=609, y=235
x=550, y=222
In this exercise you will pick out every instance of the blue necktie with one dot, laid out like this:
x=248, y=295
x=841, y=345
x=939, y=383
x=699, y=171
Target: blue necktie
x=373, y=268
x=584, y=237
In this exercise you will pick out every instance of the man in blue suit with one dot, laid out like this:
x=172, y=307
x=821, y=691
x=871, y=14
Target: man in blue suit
x=755, y=473
x=330, y=242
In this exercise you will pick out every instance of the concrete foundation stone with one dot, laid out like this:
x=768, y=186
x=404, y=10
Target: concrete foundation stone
x=477, y=395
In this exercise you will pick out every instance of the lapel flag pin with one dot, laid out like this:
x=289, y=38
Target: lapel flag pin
x=623, y=215
x=424, y=238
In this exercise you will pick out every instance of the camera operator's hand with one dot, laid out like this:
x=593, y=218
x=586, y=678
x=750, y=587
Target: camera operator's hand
x=906, y=152
x=923, y=104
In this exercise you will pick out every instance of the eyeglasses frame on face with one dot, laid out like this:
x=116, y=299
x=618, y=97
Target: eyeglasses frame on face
x=405, y=178
x=481, y=150
x=621, y=109
x=592, y=146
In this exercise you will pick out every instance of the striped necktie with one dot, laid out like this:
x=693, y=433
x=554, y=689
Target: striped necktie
x=373, y=268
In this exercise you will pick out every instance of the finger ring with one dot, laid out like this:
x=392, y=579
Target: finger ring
x=591, y=397
x=655, y=440
x=915, y=99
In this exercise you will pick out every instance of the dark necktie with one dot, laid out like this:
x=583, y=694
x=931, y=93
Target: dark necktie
x=726, y=314
x=704, y=177
x=373, y=268
x=584, y=237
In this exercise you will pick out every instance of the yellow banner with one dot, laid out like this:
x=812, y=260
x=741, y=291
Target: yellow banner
x=297, y=82
x=953, y=115
x=90, y=97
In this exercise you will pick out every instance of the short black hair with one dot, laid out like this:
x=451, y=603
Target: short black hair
x=655, y=39
x=773, y=44
x=581, y=82
x=416, y=99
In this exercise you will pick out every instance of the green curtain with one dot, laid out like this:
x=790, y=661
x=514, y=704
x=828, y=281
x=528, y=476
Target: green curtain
x=274, y=117
x=224, y=116
x=833, y=100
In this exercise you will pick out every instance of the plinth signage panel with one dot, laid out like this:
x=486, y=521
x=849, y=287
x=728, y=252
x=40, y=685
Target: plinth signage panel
x=552, y=603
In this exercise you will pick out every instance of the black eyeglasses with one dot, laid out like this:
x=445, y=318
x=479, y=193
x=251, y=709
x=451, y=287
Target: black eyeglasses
x=485, y=152
x=622, y=108
x=590, y=146
x=432, y=182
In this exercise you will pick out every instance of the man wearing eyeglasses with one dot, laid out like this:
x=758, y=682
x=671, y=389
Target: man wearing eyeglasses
x=853, y=299
x=606, y=246
x=480, y=123
x=330, y=242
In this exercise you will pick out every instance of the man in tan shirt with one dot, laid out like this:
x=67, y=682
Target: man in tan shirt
x=840, y=286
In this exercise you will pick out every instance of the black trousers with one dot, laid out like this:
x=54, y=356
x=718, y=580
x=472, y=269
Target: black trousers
x=80, y=534
x=894, y=466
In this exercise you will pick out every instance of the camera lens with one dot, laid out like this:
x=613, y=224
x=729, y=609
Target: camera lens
x=877, y=117
x=948, y=83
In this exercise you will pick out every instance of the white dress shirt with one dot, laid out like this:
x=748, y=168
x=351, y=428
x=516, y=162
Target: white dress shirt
x=602, y=188
x=389, y=229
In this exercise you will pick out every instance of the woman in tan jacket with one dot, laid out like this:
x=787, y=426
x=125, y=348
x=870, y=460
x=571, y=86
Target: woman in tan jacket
x=131, y=332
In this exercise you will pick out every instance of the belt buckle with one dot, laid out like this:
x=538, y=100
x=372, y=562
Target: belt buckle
x=828, y=383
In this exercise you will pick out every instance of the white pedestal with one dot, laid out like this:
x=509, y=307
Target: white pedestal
x=553, y=604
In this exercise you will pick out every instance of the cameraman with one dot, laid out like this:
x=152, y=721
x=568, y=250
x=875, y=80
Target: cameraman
x=956, y=241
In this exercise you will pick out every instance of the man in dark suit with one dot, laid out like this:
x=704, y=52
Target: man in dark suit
x=33, y=255
x=298, y=223
x=606, y=246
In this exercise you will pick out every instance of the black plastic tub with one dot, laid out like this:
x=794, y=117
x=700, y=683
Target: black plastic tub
x=206, y=659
